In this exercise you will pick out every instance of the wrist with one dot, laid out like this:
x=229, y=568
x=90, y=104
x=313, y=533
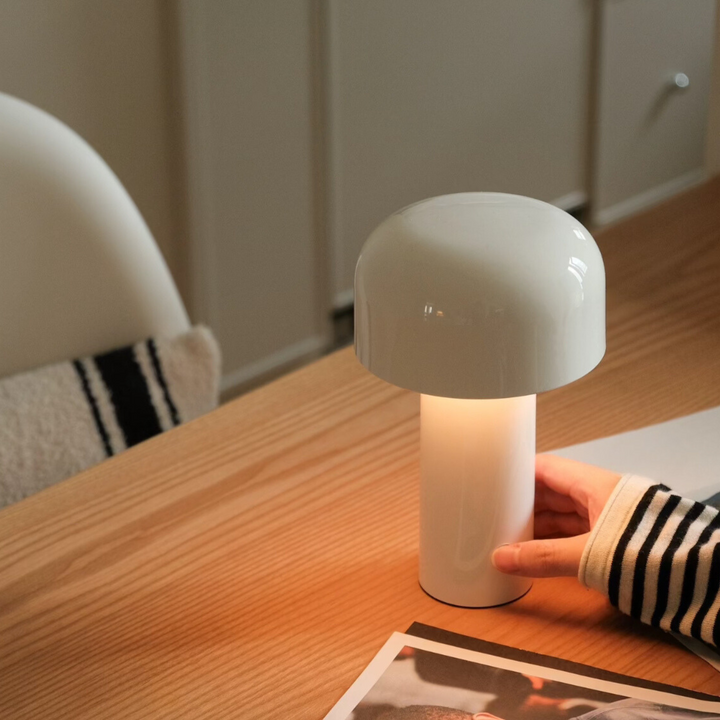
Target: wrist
x=599, y=550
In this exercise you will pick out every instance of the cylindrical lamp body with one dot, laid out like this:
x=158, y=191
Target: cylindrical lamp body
x=477, y=467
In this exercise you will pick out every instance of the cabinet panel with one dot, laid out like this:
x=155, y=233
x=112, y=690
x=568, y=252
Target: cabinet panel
x=427, y=98
x=650, y=138
x=247, y=69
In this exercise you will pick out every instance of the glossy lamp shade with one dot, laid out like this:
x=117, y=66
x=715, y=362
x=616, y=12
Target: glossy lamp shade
x=480, y=295
x=478, y=302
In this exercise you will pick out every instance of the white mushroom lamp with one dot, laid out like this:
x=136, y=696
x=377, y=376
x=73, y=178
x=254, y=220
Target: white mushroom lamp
x=478, y=301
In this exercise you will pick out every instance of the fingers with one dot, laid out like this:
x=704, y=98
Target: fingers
x=547, y=499
x=569, y=497
x=589, y=487
x=560, y=474
x=551, y=524
x=541, y=558
x=563, y=475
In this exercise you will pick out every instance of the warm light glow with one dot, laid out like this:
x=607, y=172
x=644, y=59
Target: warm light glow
x=477, y=465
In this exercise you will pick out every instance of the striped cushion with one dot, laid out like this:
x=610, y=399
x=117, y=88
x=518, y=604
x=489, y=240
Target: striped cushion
x=61, y=419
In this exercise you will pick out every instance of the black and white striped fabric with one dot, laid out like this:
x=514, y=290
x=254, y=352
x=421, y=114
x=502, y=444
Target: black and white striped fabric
x=61, y=419
x=128, y=395
x=656, y=556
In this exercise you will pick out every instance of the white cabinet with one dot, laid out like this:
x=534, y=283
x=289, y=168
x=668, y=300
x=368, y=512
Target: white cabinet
x=427, y=98
x=255, y=260
x=309, y=121
x=303, y=123
x=650, y=133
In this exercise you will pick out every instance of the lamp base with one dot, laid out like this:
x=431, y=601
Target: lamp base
x=477, y=488
x=479, y=607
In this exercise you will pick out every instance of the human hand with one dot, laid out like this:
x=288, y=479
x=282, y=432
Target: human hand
x=569, y=497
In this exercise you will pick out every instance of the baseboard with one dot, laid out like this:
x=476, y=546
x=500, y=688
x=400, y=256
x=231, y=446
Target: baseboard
x=343, y=299
x=647, y=199
x=253, y=374
x=571, y=201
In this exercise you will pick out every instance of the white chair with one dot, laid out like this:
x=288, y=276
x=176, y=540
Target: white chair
x=80, y=272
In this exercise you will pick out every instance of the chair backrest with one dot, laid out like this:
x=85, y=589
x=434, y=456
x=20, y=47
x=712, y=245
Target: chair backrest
x=80, y=272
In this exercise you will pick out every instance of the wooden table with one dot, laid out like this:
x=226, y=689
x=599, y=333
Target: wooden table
x=250, y=564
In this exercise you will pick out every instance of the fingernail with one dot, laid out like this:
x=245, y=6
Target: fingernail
x=506, y=558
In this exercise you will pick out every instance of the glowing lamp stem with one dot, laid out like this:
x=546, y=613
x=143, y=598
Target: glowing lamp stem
x=477, y=467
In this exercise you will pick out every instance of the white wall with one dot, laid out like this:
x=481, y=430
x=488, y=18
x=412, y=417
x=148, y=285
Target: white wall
x=101, y=67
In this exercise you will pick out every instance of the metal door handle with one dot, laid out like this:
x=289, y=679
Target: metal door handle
x=680, y=80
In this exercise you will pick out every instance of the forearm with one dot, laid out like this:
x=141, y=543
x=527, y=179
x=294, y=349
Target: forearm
x=657, y=557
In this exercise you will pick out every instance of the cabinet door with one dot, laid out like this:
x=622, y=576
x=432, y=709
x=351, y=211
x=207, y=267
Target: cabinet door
x=247, y=70
x=650, y=133
x=427, y=98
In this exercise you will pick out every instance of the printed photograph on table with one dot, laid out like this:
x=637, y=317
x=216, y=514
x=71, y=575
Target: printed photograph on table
x=414, y=678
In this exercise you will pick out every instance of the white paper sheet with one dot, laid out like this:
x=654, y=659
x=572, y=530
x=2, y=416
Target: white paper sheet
x=684, y=454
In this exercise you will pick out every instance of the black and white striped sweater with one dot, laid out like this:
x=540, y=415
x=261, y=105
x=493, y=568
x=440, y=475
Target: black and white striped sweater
x=656, y=555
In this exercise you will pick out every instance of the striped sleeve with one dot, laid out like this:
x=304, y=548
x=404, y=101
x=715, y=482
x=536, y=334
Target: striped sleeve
x=656, y=556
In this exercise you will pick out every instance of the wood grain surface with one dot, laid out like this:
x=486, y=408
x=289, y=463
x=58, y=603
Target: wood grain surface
x=251, y=563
